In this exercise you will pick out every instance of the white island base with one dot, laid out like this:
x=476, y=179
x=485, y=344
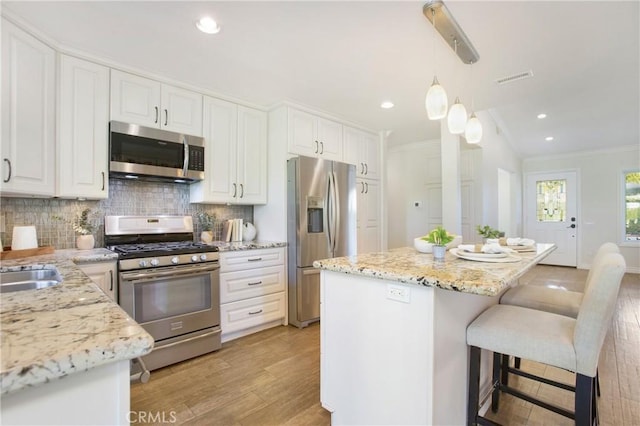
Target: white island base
x=99, y=396
x=385, y=361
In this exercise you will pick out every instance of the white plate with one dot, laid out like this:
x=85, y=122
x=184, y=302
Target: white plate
x=464, y=255
x=523, y=248
x=481, y=255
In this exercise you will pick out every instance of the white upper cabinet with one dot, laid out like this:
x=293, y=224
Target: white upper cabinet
x=368, y=219
x=362, y=149
x=235, y=155
x=83, y=128
x=149, y=103
x=314, y=136
x=28, y=114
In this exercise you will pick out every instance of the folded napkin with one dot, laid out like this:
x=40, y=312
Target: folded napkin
x=492, y=248
x=520, y=242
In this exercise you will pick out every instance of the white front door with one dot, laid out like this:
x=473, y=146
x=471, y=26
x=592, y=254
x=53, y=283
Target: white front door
x=551, y=214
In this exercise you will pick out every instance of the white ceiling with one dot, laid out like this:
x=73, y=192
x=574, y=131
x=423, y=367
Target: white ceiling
x=347, y=57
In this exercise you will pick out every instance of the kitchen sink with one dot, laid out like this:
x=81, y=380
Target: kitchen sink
x=29, y=280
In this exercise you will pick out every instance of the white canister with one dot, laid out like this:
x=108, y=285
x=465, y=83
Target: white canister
x=24, y=237
x=249, y=232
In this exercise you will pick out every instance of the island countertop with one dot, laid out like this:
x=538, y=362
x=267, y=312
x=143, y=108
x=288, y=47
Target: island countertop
x=71, y=327
x=407, y=265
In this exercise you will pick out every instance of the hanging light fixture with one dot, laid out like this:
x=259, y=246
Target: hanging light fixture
x=473, y=129
x=457, y=118
x=436, y=101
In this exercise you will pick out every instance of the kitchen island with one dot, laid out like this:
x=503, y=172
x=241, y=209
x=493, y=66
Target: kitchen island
x=393, y=338
x=66, y=348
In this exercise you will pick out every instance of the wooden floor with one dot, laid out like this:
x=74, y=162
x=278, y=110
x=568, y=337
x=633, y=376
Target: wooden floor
x=273, y=377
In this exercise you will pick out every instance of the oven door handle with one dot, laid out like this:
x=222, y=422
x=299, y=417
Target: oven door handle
x=131, y=276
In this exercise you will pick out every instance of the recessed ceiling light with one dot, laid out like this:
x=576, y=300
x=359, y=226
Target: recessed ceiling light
x=386, y=105
x=208, y=25
x=542, y=115
x=548, y=138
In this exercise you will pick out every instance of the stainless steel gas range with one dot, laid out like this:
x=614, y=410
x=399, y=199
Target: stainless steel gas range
x=168, y=284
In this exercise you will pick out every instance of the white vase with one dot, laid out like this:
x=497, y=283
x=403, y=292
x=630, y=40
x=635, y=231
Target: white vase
x=206, y=237
x=85, y=242
x=249, y=232
x=439, y=252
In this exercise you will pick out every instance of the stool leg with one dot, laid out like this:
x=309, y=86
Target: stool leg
x=598, y=383
x=594, y=401
x=516, y=363
x=474, y=386
x=497, y=374
x=505, y=370
x=584, y=400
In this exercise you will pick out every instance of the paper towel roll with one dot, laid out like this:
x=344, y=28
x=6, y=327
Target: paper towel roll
x=24, y=237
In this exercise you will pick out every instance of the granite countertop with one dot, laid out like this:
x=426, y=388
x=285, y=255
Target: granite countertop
x=247, y=245
x=407, y=265
x=71, y=327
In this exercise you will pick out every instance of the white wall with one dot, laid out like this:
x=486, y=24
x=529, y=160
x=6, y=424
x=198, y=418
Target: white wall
x=600, y=199
x=498, y=154
x=410, y=173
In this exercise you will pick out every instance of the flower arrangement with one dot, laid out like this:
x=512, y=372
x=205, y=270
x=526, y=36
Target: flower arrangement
x=439, y=236
x=81, y=223
x=487, y=231
x=206, y=220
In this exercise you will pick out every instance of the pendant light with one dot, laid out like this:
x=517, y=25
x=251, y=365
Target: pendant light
x=457, y=118
x=473, y=129
x=436, y=101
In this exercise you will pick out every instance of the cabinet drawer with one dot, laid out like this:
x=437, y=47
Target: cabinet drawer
x=248, y=313
x=250, y=259
x=241, y=285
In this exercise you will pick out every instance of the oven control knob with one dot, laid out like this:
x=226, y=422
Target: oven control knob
x=143, y=263
x=203, y=257
x=175, y=260
x=155, y=262
x=194, y=258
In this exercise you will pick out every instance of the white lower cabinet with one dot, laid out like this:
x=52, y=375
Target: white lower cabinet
x=104, y=275
x=252, y=291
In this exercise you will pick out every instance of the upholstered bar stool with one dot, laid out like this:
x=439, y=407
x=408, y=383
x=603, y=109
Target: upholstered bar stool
x=548, y=338
x=557, y=301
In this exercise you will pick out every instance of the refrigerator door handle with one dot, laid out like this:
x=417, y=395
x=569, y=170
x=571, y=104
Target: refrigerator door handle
x=336, y=212
x=330, y=213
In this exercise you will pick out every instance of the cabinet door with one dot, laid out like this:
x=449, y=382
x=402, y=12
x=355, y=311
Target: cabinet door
x=135, y=99
x=220, y=135
x=330, y=139
x=368, y=223
x=361, y=149
x=370, y=144
x=302, y=133
x=181, y=110
x=83, y=126
x=103, y=274
x=28, y=114
x=352, y=148
x=252, y=156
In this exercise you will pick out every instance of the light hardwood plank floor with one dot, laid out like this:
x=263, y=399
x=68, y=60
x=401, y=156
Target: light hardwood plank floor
x=273, y=377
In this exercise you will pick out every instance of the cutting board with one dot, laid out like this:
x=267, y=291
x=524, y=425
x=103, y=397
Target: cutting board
x=7, y=253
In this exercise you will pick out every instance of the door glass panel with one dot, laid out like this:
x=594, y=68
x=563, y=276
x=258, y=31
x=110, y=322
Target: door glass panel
x=551, y=200
x=169, y=297
x=632, y=206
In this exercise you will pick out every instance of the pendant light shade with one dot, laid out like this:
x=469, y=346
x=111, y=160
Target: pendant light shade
x=473, y=130
x=436, y=101
x=457, y=118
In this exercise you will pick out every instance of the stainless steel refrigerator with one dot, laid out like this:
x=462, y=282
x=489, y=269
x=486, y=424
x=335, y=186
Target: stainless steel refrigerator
x=321, y=216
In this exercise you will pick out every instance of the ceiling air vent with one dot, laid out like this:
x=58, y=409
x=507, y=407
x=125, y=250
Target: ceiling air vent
x=514, y=77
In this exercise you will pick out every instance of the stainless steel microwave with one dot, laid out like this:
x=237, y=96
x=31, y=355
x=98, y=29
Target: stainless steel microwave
x=138, y=152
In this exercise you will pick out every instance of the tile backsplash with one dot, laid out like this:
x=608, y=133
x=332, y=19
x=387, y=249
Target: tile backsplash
x=125, y=198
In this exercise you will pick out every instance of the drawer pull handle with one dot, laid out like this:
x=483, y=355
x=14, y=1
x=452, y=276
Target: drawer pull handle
x=256, y=283
x=255, y=259
x=256, y=312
